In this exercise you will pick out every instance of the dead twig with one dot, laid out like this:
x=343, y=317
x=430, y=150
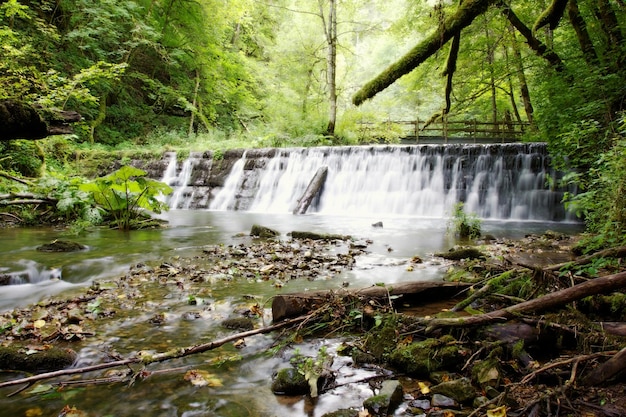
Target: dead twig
x=161, y=357
x=576, y=359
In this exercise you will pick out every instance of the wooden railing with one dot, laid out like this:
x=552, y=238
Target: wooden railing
x=463, y=130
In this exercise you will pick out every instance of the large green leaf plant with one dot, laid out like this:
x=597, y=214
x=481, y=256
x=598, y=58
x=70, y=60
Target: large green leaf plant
x=126, y=195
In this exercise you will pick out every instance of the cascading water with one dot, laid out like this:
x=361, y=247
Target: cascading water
x=505, y=181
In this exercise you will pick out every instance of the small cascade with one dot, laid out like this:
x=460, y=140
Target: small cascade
x=185, y=190
x=496, y=181
x=226, y=198
x=31, y=273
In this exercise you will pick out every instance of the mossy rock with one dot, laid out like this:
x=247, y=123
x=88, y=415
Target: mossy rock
x=263, y=232
x=381, y=340
x=387, y=400
x=462, y=253
x=61, y=246
x=288, y=381
x=20, y=358
x=344, y=412
x=422, y=358
x=238, y=323
x=460, y=390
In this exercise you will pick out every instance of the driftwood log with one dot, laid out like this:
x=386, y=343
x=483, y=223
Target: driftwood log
x=312, y=190
x=413, y=293
x=22, y=121
x=595, y=286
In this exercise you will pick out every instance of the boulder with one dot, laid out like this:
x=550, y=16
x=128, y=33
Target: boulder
x=387, y=400
x=460, y=390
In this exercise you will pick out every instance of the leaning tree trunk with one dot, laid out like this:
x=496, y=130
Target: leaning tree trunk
x=452, y=25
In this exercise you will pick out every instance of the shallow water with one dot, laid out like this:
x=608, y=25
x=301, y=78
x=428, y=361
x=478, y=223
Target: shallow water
x=244, y=374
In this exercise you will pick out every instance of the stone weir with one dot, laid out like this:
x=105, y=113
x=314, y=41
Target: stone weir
x=497, y=181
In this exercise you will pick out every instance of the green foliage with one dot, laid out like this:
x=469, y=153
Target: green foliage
x=466, y=226
x=125, y=192
x=74, y=204
x=21, y=156
x=602, y=197
x=313, y=368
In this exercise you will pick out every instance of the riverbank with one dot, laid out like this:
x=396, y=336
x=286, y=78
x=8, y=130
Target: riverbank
x=179, y=291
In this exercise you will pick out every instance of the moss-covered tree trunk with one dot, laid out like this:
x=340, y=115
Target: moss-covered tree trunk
x=451, y=26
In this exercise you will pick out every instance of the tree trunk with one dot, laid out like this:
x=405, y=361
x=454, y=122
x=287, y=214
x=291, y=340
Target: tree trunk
x=492, y=79
x=580, y=27
x=450, y=69
x=195, y=100
x=521, y=77
x=535, y=44
x=606, y=372
x=415, y=293
x=330, y=29
x=312, y=190
x=464, y=16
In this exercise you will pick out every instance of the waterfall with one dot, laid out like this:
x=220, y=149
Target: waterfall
x=504, y=181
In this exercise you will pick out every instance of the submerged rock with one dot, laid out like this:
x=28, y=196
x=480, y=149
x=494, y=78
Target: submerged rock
x=462, y=253
x=35, y=359
x=262, y=231
x=288, y=381
x=61, y=246
x=344, y=412
x=238, y=323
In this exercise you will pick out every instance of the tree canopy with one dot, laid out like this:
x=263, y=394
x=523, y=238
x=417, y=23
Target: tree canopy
x=155, y=71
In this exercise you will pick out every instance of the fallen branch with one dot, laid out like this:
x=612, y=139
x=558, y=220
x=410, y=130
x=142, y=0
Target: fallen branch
x=14, y=178
x=160, y=357
x=619, y=252
x=608, y=370
x=556, y=364
x=592, y=287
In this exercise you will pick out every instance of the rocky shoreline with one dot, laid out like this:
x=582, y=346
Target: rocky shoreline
x=520, y=366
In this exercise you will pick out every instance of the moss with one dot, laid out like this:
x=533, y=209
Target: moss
x=381, y=340
x=288, y=381
x=20, y=358
x=422, y=358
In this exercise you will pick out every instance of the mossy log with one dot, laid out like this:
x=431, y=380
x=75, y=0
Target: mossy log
x=595, y=286
x=22, y=121
x=453, y=24
x=318, y=236
x=413, y=293
x=551, y=16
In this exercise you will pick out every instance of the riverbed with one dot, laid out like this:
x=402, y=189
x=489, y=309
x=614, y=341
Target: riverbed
x=242, y=376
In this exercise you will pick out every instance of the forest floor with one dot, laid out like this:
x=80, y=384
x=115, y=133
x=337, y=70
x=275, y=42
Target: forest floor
x=552, y=324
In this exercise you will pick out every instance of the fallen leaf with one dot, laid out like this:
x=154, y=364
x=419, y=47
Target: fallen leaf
x=424, y=389
x=199, y=378
x=38, y=324
x=497, y=412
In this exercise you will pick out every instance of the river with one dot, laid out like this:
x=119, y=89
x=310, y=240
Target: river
x=244, y=374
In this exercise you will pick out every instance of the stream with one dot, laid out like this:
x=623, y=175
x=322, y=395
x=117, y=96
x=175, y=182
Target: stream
x=243, y=376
